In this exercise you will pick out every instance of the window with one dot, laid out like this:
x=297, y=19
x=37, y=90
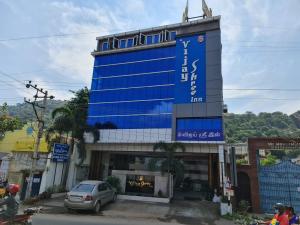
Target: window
x=161, y=37
x=149, y=40
x=130, y=42
x=135, y=40
x=116, y=43
x=167, y=35
x=111, y=43
x=123, y=43
x=173, y=35
x=156, y=38
x=105, y=46
x=102, y=187
x=84, y=188
x=109, y=186
x=142, y=39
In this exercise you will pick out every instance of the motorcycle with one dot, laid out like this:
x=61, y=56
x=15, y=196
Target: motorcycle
x=23, y=219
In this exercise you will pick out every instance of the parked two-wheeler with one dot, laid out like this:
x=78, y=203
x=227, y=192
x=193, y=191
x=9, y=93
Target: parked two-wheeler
x=23, y=219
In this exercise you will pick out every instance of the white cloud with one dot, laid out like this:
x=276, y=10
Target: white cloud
x=71, y=55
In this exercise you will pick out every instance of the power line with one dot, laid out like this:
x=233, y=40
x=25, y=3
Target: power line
x=261, y=89
x=260, y=41
x=46, y=36
x=11, y=77
x=61, y=35
x=263, y=27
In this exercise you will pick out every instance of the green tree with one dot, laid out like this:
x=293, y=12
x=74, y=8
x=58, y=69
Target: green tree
x=169, y=163
x=59, y=131
x=73, y=115
x=7, y=123
x=238, y=127
x=269, y=160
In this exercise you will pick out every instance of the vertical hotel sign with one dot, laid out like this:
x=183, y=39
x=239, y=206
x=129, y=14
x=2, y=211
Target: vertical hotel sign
x=190, y=70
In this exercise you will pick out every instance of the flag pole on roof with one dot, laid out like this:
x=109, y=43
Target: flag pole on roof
x=185, y=16
x=207, y=12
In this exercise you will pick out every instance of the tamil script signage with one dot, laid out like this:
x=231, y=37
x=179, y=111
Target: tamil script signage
x=199, y=135
x=199, y=129
x=190, y=70
x=60, y=152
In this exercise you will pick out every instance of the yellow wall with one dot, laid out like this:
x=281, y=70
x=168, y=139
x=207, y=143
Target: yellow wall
x=21, y=140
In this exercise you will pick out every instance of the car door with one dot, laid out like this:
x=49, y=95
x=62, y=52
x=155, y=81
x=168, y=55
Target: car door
x=110, y=192
x=106, y=192
x=101, y=193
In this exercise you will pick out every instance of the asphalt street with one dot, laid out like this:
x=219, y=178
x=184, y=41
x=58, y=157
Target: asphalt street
x=47, y=219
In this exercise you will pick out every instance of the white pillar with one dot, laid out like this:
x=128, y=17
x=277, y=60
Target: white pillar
x=222, y=167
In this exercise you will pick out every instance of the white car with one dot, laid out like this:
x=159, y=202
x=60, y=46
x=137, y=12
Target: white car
x=90, y=195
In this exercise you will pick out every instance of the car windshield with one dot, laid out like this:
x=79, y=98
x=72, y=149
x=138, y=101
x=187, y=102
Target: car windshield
x=84, y=188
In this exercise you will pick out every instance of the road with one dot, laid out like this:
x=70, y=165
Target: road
x=56, y=219
x=47, y=219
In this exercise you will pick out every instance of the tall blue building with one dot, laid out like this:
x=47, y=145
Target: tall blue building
x=158, y=84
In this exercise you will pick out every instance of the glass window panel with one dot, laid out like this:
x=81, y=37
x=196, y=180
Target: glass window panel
x=136, y=68
x=130, y=42
x=136, y=55
x=149, y=39
x=156, y=38
x=173, y=35
x=105, y=46
x=123, y=43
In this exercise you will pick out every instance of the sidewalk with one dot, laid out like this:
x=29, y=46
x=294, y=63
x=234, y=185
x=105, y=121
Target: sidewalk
x=182, y=212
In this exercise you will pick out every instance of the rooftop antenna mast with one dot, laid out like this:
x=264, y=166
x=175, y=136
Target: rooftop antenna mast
x=207, y=12
x=185, y=16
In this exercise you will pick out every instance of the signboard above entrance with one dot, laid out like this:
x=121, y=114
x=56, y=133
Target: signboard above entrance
x=199, y=129
x=190, y=76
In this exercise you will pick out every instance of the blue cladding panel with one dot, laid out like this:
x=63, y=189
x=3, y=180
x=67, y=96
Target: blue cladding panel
x=134, y=68
x=135, y=122
x=134, y=81
x=199, y=129
x=130, y=108
x=149, y=75
x=191, y=69
x=132, y=94
x=136, y=56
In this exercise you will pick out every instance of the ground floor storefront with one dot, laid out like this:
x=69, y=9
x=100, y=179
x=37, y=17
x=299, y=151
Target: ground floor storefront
x=200, y=177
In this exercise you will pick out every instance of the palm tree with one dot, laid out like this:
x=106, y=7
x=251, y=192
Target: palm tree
x=60, y=128
x=73, y=117
x=170, y=164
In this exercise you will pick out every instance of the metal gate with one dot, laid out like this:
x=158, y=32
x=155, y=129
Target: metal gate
x=279, y=183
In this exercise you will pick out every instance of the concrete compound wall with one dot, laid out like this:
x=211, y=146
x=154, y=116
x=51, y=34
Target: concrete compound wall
x=53, y=176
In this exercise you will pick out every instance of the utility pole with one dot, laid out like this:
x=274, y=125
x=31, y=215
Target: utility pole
x=40, y=94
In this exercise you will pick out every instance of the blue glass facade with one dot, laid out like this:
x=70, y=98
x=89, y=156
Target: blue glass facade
x=136, y=86
x=134, y=89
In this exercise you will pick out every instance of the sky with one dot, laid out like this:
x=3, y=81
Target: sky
x=260, y=55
